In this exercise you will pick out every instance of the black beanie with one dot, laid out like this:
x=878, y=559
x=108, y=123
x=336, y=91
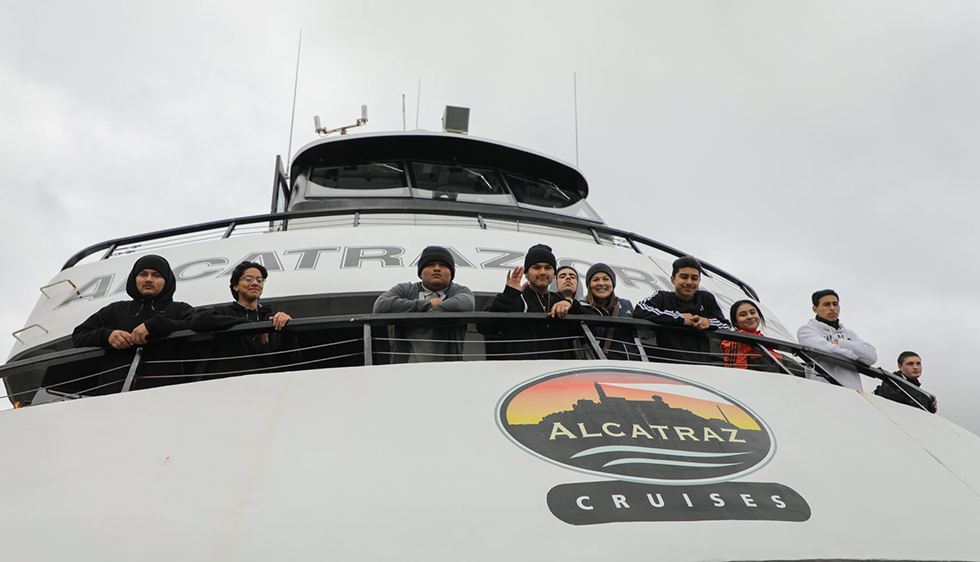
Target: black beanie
x=539, y=253
x=437, y=253
x=600, y=268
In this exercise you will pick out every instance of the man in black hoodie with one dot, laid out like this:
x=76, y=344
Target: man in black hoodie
x=551, y=340
x=122, y=325
x=685, y=306
x=910, y=369
x=252, y=352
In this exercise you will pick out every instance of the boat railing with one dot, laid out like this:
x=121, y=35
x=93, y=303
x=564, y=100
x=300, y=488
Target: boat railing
x=376, y=339
x=480, y=216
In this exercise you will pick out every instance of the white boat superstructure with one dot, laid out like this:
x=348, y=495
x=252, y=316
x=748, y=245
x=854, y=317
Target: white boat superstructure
x=344, y=456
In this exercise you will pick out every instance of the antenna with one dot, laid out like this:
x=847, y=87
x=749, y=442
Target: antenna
x=418, y=102
x=403, y=112
x=575, y=94
x=292, y=119
x=322, y=131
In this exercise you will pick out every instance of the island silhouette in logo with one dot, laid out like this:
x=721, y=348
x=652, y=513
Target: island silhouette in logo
x=635, y=425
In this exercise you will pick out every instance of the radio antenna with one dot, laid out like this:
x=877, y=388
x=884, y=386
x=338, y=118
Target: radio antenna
x=292, y=119
x=575, y=95
x=418, y=103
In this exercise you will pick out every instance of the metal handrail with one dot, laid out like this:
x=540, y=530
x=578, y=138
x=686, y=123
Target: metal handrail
x=368, y=322
x=478, y=213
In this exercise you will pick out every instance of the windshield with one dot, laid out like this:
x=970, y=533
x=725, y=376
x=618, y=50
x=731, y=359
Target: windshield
x=453, y=182
x=370, y=179
x=538, y=193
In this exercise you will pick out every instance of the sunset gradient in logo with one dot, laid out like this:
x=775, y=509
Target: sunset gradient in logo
x=560, y=393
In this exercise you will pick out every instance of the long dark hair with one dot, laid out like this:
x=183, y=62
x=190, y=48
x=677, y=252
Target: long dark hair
x=734, y=311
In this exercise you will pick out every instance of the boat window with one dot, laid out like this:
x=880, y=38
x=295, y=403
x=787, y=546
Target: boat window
x=377, y=179
x=453, y=182
x=543, y=194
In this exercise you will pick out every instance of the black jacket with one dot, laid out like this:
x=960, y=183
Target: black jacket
x=889, y=390
x=246, y=353
x=540, y=343
x=162, y=316
x=616, y=342
x=687, y=345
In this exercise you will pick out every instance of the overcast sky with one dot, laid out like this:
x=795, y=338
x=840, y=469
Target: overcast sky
x=799, y=145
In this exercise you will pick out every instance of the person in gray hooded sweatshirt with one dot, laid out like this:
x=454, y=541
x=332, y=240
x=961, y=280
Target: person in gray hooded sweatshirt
x=152, y=313
x=825, y=333
x=436, y=292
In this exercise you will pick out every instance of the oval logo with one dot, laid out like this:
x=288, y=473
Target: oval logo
x=635, y=425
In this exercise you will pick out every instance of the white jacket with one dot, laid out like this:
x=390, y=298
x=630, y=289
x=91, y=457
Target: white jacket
x=819, y=335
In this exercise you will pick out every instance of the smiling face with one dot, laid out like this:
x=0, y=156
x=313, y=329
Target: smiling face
x=567, y=282
x=686, y=282
x=601, y=286
x=149, y=283
x=250, y=286
x=436, y=276
x=747, y=318
x=540, y=276
x=828, y=308
x=911, y=367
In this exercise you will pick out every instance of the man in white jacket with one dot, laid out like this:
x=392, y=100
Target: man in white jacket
x=827, y=334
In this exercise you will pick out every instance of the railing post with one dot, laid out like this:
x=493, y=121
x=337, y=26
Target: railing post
x=643, y=352
x=592, y=341
x=773, y=359
x=368, y=351
x=132, y=370
x=819, y=369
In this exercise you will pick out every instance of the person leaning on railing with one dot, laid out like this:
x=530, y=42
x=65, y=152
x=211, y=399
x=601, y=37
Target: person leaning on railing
x=910, y=369
x=152, y=313
x=825, y=333
x=234, y=355
x=532, y=340
x=686, y=306
x=615, y=342
x=435, y=292
x=748, y=319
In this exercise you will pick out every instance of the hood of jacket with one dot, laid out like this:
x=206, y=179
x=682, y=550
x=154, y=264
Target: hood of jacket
x=162, y=267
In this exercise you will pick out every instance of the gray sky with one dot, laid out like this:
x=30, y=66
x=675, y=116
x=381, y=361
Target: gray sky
x=800, y=145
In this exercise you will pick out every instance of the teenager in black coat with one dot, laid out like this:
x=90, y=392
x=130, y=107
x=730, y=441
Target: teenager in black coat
x=250, y=353
x=151, y=314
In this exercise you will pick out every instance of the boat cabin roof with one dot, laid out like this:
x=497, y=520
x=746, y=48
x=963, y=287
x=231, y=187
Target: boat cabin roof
x=424, y=169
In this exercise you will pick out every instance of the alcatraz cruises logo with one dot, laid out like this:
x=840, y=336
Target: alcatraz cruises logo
x=672, y=446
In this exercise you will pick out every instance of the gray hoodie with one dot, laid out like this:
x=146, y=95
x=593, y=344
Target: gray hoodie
x=416, y=344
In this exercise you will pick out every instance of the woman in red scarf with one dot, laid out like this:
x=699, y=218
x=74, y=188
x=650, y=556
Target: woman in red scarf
x=748, y=319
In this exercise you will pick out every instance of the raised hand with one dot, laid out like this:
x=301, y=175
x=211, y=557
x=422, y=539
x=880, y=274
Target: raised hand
x=514, y=278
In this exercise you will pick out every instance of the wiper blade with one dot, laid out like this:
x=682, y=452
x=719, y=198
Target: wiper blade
x=555, y=189
x=474, y=173
x=388, y=166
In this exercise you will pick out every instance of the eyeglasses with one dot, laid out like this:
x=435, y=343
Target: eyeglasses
x=250, y=279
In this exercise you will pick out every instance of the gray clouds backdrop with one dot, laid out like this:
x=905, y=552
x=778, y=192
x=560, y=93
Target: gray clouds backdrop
x=800, y=145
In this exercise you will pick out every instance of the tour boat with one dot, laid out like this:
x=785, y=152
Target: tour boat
x=350, y=454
